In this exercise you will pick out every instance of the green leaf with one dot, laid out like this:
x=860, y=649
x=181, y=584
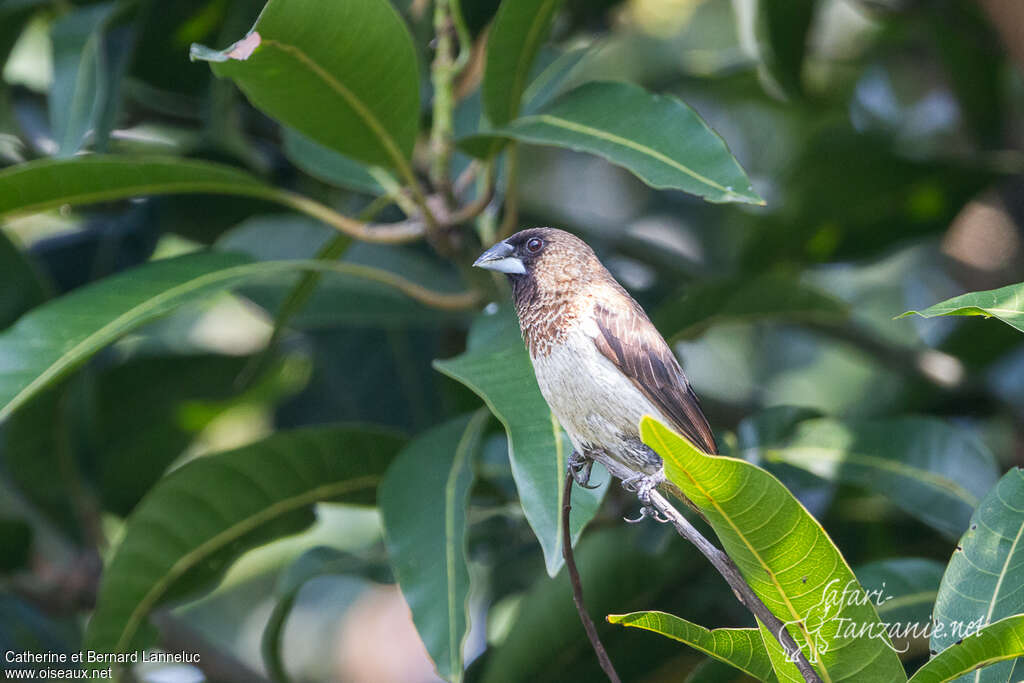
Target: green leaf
x=315, y=562
x=14, y=15
x=81, y=74
x=198, y=519
x=740, y=647
x=57, y=337
x=786, y=26
x=519, y=30
x=984, y=581
x=49, y=184
x=20, y=285
x=931, y=470
x=766, y=296
x=1005, y=303
x=341, y=73
x=996, y=642
x=660, y=139
x=423, y=501
x=497, y=368
x=784, y=554
x=327, y=165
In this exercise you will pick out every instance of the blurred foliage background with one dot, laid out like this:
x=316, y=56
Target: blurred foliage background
x=886, y=137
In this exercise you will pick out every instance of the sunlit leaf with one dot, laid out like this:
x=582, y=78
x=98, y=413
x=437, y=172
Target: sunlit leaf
x=1005, y=303
x=997, y=642
x=784, y=554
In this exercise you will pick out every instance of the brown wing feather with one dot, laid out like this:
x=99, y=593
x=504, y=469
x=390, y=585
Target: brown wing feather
x=630, y=340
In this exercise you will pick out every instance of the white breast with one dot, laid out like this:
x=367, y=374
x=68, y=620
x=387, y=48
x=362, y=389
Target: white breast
x=597, y=404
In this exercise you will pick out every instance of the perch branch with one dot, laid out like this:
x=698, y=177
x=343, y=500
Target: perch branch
x=729, y=571
x=577, y=586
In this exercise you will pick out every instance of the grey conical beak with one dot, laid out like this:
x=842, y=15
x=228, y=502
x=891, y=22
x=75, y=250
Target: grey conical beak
x=501, y=258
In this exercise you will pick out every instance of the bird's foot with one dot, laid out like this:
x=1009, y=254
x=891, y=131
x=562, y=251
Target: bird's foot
x=579, y=468
x=643, y=485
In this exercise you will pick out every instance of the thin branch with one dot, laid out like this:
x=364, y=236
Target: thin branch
x=380, y=233
x=577, y=586
x=729, y=571
x=218, y=665
x=442, y=74
x=511, y=218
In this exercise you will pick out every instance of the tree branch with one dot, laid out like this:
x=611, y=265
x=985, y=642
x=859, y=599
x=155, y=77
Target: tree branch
x=729, y=571
x=577, y=586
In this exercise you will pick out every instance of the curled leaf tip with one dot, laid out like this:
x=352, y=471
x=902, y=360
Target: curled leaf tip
x=244, y=48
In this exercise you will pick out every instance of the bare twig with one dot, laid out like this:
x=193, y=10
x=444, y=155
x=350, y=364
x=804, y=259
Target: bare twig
x=577, y=586
x=729, y=571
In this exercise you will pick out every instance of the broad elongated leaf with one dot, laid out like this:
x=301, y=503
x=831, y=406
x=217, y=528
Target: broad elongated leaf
x=519, y=30
x=984, y=581
x=48, y=184
x=315, y=562
x=57, y=337
x=740, y=647
x=497, y=368
x=327, y=165
x=660, y=139
x=785, y=556
x=81, y=78
x=996, y=642
x=341, y=73
x=772, y=296
x=199, y=518
x=423, y=502
x=1005, y=303
x=933, y=471
x=786, y=26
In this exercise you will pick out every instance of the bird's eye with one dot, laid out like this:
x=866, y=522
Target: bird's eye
x=534, y=244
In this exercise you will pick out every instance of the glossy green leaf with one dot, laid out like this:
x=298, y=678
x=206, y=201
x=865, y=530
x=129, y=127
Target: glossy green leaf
x=1005, y=303
x=314, y=563
x=519, y=30
x=327, y=165
x=49, y=184
x=923, y=465
x=341, y=73
x=784, y=554
x=497, y=368
x=198, y=519
x=1000, y=641
x=984, y=581
x=81, y=74
x=774, y=296
x=56, y=338
x=423, y=501
x=660, y=139
x=740, y=647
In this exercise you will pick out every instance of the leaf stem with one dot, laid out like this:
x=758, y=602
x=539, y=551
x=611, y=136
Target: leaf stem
x=577, y=586
x=380, y=233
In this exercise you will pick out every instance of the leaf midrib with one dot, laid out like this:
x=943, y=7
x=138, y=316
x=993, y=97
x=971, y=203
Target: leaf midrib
x=522, y=63
x=233, y=532
x=368, y=117
x=607, y=136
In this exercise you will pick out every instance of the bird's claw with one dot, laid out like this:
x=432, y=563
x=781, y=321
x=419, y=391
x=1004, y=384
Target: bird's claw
x=579, y=468
x=643, y=485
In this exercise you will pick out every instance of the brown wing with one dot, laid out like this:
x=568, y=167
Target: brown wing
x=630, y=340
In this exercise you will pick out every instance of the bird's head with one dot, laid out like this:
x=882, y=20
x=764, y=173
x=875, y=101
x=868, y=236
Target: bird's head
x=540, y=254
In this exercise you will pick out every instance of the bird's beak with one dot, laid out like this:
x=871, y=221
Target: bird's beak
x=500, y=258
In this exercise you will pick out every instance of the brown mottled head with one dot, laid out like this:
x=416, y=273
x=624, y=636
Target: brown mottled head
x=549, y=270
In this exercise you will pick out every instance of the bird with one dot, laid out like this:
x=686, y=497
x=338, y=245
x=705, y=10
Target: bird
x=600, y=363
